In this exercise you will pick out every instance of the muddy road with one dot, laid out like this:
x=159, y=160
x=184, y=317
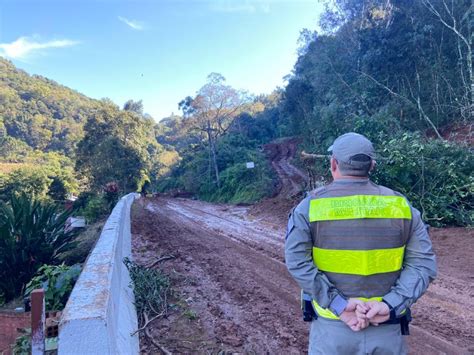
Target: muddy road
x=233, y=293
x=291, y=179
x=239, y=288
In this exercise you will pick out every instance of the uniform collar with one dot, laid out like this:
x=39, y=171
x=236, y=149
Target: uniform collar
x=351, y=180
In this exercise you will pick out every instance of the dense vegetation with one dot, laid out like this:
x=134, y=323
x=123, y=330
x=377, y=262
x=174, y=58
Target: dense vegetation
x=55, y=142
x=57, y=282
x=221, y=130
x=397, y=71
x=400, y=72
x=32, y=235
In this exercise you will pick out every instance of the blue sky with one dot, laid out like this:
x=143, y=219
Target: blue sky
x=157, y=51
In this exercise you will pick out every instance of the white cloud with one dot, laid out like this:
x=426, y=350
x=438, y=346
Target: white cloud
x=136, y=25
x=25, y=46
x=249, y=6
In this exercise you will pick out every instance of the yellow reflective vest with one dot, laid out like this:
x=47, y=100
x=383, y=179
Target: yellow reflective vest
x=359, y=239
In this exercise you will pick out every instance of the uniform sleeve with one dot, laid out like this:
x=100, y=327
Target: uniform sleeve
x=419, y=268
x=299, y=261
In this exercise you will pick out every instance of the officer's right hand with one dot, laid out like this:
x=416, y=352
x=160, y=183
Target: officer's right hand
x=378, y=312
x=350, y=317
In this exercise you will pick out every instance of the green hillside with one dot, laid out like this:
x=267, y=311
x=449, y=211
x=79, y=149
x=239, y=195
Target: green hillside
x=38, y=113
x=54, y=140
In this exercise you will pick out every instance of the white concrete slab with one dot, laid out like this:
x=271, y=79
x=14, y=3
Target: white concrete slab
x=100, y=315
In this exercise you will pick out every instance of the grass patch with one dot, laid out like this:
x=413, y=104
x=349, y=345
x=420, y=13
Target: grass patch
x=190, y=314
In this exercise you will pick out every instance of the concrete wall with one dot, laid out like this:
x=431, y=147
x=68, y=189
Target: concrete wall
x=100, y=316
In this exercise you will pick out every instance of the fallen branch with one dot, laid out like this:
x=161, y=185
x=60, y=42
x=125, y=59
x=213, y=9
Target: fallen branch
x=147, y=322
x=153, y=341
x=305, y=155
x=159, y=260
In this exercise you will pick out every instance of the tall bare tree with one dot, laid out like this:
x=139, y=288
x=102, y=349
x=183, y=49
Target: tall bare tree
x=458, y=18
x=211, y=112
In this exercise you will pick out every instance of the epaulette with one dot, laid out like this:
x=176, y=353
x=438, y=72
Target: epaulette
x=317, y=192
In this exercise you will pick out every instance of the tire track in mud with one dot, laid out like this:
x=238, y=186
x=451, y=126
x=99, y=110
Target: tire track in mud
x=292, y=180
x=234, y=222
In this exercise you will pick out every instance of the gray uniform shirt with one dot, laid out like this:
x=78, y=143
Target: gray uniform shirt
x=418, y=270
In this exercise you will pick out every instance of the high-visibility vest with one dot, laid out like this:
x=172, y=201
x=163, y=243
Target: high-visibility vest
x=359, y=233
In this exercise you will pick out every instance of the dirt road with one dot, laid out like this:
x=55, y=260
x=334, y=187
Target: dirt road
x=291, y=178
x=234, y=293
x=239, y=288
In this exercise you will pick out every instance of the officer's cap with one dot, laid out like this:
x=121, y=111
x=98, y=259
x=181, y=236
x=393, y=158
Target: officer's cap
x=351, y=145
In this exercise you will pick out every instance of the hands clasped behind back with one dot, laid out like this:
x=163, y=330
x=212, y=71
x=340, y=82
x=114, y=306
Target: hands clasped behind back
x=358, y=314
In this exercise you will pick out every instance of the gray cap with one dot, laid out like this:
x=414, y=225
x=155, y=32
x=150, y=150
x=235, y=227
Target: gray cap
x=348, y=145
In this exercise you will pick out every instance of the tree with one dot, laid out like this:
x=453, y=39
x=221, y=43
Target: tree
x=458, y=17
x=211, y=112
x=134, y=106
x=403, y=62
x=33, y=182
x=398, y=71
x=118, y=146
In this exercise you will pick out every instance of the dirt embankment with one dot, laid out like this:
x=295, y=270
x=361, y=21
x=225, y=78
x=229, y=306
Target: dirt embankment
x=291, y=179
x=237, y=296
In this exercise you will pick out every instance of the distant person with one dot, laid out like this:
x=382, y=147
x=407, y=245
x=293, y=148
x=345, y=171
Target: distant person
x=145, y=190
x=361, y=253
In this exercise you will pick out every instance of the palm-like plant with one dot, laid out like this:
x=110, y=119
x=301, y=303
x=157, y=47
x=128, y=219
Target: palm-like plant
x=32, y=233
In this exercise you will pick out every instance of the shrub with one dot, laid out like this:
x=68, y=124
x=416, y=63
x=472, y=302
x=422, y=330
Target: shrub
x=83, y=199
x=32, y=182
x=96, y=208
x=58, y=189
x=111, y=194
x=22, y=344
x=435, y=175
x=33, y=234
x=57, y=282
x=242, y=185
x=238, y=184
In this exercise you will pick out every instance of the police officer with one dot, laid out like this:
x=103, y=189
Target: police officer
x=362, y=253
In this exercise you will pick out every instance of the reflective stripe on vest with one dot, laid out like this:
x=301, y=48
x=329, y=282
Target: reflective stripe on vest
x=359, y=262
x=358, y=206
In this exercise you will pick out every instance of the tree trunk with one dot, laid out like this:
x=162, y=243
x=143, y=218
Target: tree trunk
x=216, y=169
x=212, y=150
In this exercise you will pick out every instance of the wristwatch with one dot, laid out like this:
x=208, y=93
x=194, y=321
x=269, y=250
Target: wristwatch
x=393, y=315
